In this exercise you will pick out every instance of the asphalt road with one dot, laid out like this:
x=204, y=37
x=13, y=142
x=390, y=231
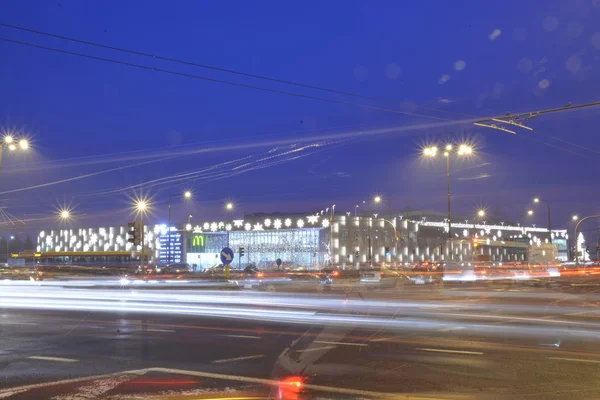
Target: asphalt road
x=458, y=342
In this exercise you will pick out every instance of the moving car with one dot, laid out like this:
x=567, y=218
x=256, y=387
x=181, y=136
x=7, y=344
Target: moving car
x=303, y=282
x=176, y=268
x=459, y=272
x=382, y=278
x=425, y=273
x=218, y=271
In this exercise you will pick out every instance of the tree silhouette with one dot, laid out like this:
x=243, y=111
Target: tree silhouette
x=28, y=244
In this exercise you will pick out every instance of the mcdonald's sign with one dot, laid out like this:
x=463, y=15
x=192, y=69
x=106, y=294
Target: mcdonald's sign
x=198, y=240
x=196, y=244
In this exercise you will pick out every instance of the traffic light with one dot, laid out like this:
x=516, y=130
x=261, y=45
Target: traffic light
x=587, y=249
x=357, y=254
x=475, y=243
x=134, y=233
x=387, y=251
x=241, y=251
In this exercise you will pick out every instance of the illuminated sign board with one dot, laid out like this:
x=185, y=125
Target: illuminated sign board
x=170, y=250
x=196, y=243
x=197, y=240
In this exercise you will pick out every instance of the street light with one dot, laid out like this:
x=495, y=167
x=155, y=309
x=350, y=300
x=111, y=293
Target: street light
x=65, y=214
x=481, y=213
x=377, y=199
x=141, y=206
x=229, y=206
x=529, y=212
x=9, y=141
x=463, y=150
x=575, y=217
x=186, y=195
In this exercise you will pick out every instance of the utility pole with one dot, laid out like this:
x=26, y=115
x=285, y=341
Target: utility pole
x=168, y=235
x=142, y=239
x=449, y=211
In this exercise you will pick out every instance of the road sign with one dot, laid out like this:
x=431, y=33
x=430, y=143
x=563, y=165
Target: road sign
x=226, y=256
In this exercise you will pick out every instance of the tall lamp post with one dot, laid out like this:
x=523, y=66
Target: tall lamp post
x=538, y=200
x=13, y=145
x=8, y=239
x=141, y=207
x=186, y=195
x=462, y=150
x=376, y=200
x=356, y=208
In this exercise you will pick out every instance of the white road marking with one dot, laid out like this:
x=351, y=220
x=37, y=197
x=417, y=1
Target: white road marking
x=453, y=328
x=59, y=359
x=226, y=360
x=341, y=343
x=272, y=382
x=242, y=336
x=94, y=389
x=574, y=359
x=161, y=330
x=21, y=323
x=318, y=349
x=510, y=318
x=478, y=353
x=4, y=392
x=383, y=339
x=13, y=393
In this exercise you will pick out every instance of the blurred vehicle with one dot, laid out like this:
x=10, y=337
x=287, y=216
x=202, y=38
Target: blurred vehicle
x=459, y=272
x=19, y=274
x=483, y=272
x=342, y=279
x=425, y=273
x=382, y=278
x=303, y=282
x=553, y=271
x=177, y=268
x=252, y=270
x=218, y=271
x=334, y=272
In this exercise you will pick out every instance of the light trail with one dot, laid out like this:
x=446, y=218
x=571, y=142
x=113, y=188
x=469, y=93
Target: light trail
x=398, y=315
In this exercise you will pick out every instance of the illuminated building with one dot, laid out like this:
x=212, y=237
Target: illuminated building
x=315, y=240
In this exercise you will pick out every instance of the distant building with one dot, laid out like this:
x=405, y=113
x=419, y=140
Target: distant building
x=313, y=241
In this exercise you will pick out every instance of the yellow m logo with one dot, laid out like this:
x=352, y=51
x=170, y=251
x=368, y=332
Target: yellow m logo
x=198, y=240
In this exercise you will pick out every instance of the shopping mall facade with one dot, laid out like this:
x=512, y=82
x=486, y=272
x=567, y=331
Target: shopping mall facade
x=312, y=241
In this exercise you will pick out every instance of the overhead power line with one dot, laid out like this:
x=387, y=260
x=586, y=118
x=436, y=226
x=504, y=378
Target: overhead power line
x=227, y=70
x=511, y=119
x=263, y=89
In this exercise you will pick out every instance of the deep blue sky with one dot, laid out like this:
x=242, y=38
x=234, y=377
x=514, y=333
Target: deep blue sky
x=73, y=107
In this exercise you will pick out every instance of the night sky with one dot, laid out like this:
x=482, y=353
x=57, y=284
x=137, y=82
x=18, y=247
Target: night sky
x=126, y=127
